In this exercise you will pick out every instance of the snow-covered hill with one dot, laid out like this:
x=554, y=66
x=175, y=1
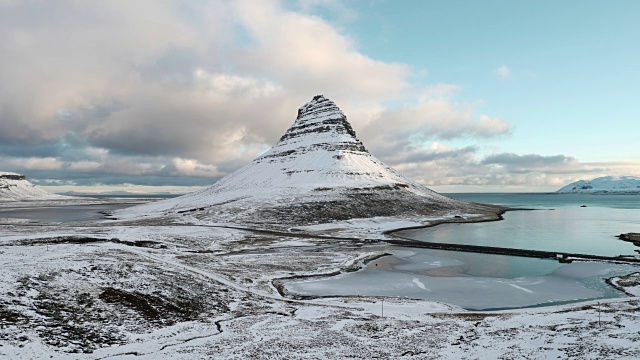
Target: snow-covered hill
x=16, y=187
x=605, y=185
x=317, y=172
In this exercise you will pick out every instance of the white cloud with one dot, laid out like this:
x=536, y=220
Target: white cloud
x=191, y=167
x=488, y=126
x=141, y=88
x=44, y=163
x=393, y=132
x=235, y=85
x=305, y=52
x=503, y=71
x=30, y=163
x=438, y=91
x=439, y=164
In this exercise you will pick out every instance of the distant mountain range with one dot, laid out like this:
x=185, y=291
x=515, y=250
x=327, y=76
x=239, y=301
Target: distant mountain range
x=16, y=187
x=318, y=172
x=604, y=185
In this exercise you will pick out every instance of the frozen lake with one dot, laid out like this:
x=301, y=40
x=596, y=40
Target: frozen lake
x=471, y=281
x=483, y=281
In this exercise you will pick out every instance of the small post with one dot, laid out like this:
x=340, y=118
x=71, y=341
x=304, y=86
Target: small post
x=598, y=314
x=383, y=308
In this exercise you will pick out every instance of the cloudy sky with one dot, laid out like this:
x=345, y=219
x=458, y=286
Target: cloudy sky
x=459, y=95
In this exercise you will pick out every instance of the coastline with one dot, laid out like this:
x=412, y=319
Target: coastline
x=561, y=256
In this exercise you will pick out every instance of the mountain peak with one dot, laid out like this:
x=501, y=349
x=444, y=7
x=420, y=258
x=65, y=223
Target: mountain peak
x=318, y=171
x=319, y=107
x=320, y=121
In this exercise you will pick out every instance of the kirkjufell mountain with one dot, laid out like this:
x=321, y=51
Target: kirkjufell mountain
x=16, y=187
x=317, y=172
x=604, y=185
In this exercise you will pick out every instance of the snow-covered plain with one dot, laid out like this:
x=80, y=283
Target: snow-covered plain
x=117, y=290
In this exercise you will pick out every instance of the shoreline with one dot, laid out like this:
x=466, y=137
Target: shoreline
x=561, y=256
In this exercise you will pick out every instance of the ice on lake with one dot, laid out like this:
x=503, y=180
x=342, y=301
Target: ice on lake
x=423, y=275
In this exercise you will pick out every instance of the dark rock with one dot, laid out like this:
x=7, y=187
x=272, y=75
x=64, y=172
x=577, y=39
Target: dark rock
x=13, y=177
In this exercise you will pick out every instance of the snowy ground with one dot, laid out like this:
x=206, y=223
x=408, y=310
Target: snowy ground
x=161, y=290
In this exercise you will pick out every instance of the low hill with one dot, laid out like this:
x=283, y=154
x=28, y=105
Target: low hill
x=604, y=185
x=16, y=187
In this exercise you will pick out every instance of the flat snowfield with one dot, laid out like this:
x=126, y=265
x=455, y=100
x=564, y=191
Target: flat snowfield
x=160, y=289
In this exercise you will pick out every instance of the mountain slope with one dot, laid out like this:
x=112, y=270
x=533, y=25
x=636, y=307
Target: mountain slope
x=15, y=187
x=317, y=172
x=605, y=185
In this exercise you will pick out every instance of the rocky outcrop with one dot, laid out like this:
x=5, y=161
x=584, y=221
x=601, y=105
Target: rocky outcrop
x=318, y=171
x=12, y=176
x=631, y=237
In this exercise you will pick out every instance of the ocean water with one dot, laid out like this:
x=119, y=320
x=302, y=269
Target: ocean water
x=551, y=200
x=69, y=213
x=560, y=224
x=486, y=281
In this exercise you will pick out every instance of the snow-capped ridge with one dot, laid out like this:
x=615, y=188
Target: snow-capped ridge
x=16, y=187
x=605, y=185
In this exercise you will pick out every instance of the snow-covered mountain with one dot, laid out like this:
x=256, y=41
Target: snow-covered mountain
x=16, y=187
x=317, y=172
x=605, y=185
